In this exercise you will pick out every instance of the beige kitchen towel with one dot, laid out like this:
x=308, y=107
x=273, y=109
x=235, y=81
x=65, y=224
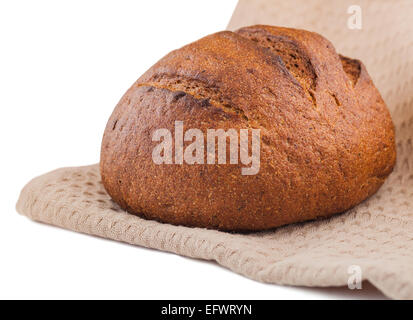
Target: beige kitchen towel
x=375, y=238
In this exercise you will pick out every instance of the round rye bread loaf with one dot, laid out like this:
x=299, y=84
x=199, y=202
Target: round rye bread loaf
x=326, y=139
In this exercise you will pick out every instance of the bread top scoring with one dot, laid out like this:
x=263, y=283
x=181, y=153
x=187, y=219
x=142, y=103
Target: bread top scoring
x=287, y=82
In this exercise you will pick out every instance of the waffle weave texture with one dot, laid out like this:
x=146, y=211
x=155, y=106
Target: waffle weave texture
x=377, y=235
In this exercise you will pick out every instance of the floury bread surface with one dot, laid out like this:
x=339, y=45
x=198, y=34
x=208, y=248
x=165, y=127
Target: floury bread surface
x=327, y=139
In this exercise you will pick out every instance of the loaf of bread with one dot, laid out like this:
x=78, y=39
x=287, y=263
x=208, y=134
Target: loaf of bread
x=326, y=138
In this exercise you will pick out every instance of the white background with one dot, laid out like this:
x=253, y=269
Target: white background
x=63, y=67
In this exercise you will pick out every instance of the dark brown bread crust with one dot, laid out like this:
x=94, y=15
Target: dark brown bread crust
x=327, y=139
